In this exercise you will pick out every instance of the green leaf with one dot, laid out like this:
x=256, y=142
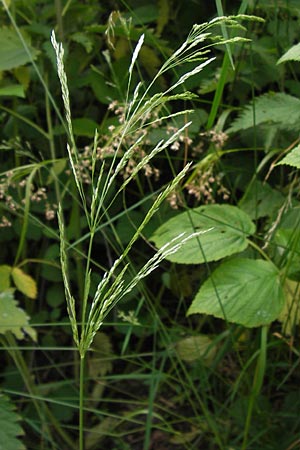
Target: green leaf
x=84, y=127
x=25, y=283
x=10, y=429
x=12, y=51
x=84, y=40
x=260, y=200
x=103, y=91
x=271, y=108
x=13, y=318
x=292, y=158
x=230, y=228
x=193, y=348
x=14, y=90
x=293, y=54
x=243, y=291
x=143, y=14
x=5, y=272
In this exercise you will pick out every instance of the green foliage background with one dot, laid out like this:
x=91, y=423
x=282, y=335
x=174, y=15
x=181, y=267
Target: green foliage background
x=204, y=353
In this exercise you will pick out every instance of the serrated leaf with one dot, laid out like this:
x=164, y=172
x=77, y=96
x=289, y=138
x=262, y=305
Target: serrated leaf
x=13, y=318
x=24, y=282
x=273, y=108
x=10, y=429
x=290, y=314
x=244, y=291
x=193, y=348
x=12, y=51
x=229, y=227
x=5, y=272
x=292, y=158
x=293, y=54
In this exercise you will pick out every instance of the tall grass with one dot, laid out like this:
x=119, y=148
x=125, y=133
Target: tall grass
x=88, y=313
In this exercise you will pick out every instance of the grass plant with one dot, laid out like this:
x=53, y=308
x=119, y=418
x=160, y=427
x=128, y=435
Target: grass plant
x=112, y=356
x=112, y=288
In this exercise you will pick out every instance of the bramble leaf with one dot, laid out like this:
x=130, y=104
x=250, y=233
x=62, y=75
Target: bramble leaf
x=244, y=291
x=228, y=229
x=12, y=51
x=13, y=318
x=10, y=429
x=272, y=108
x=292, y=158
x=293, y=54
x=193, y=348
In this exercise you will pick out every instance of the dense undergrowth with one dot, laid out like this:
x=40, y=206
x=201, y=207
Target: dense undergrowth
x=162, y=136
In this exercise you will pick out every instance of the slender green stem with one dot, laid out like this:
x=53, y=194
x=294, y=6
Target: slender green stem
x=59, y=18
x=257, y=383
x=259, y=250
x=81, y=403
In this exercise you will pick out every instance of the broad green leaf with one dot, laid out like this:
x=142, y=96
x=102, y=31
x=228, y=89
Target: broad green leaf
x=13, y=318
x=293, y=54
x=25, y=283
x=260, y=200
x=14, y=90
x=5, y=272
x=84, y=40
x=143, y=14
x=228, y=229
x=272, y=108
x=193, y=348
x=292, y=158
x=10, y=429
x=84, y=127
x=243, y=291
x=23, y=75
x=57, y=168
x=12, y=51
x=103, y=91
